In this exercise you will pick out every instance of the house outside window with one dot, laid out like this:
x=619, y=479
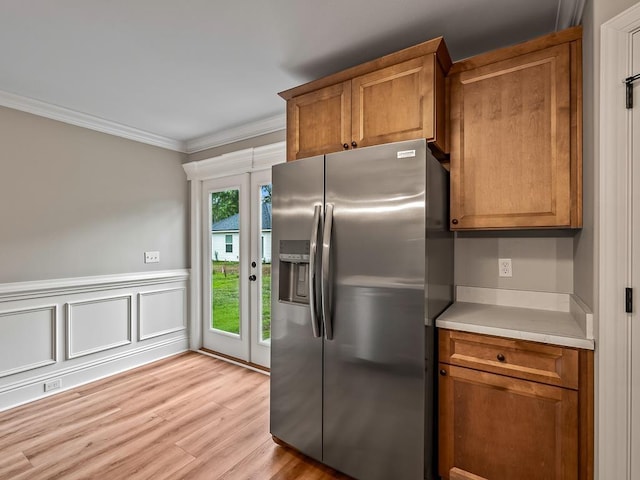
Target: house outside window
x=228, y=241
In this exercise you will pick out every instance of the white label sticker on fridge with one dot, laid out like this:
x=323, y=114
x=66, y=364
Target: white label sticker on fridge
x=406, y=153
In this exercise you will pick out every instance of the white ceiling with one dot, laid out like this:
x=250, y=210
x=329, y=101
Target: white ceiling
x=194, y=73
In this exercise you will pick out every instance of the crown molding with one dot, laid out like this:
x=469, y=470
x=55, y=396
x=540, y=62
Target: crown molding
x=84, y=120
x=197, y=144
x=269, y=155
x=569, y=13
x=235, y=134
x=240, y=161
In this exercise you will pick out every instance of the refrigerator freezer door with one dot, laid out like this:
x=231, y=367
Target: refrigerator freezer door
x=296, y=354
x=374, y=376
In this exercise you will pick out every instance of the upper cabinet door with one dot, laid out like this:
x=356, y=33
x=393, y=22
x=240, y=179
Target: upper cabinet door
x=398, y=103
x=319, y=122
x=515, y=158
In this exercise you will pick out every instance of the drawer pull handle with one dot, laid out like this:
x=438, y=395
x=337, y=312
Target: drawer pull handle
x=500, y=357
x=443, y=372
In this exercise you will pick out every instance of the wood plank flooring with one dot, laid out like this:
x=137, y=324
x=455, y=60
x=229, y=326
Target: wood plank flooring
x=185, y=417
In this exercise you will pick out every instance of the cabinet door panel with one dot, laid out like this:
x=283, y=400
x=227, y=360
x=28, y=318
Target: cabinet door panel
x=503, y=428
x=510, y=143
x=395, y=103
x=318, y=122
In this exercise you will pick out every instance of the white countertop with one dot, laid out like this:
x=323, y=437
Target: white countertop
x=557, y=319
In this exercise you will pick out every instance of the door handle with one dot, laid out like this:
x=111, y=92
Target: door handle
x=313, y=249
x=326, y=273
x=252, y=278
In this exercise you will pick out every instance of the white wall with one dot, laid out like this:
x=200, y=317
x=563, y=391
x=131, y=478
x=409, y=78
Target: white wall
x=266, y=253
x=218, y=245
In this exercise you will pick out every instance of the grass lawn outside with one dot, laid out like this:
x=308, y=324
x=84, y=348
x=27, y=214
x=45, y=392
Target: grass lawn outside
x=225, y=292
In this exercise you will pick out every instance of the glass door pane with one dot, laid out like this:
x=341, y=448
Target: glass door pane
x=226, y=248
x=265, y=247
x=225, y=264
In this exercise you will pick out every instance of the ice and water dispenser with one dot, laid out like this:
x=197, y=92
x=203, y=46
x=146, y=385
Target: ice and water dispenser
x=294, y=271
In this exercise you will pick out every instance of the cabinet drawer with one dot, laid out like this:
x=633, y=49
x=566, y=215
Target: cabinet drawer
x=516, y=358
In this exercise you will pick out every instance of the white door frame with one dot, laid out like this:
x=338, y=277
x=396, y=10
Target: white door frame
x=260, y=350
x=613, y=415
x=242, y=161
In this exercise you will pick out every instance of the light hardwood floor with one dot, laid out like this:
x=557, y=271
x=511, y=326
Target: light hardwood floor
x=185, y=417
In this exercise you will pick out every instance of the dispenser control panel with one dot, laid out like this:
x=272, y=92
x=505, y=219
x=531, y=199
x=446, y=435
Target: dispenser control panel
x=294, y=251
x=294, y=271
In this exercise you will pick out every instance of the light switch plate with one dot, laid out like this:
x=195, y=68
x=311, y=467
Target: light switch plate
x=151, y=257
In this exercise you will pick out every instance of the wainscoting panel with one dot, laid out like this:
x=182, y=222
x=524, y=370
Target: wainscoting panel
x=27, y=339
x=161, y=312
x=70, y=331
x=98, y=324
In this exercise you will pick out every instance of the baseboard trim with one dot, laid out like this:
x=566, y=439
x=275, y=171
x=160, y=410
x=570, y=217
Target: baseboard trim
x=32, y=389
x=234, y=361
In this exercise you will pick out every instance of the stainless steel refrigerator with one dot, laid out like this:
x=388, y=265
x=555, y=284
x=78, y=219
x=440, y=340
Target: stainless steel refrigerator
x=362, y=263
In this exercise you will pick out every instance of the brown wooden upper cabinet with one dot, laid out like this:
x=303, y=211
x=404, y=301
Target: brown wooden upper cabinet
x=398, y=97
x=516, y=136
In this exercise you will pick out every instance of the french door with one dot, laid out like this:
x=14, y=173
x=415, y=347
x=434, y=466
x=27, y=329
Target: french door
x=237, y=266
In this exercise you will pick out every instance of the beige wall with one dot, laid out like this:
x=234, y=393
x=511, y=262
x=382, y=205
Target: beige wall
x=584, y=245
x=540, y=262
x=76, y=202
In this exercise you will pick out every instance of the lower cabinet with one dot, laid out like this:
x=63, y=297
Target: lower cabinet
x=511, y=409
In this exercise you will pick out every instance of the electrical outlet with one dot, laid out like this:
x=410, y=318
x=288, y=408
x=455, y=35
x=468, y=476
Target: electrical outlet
x=504, y=267
x=151, y=257
x=53, y=385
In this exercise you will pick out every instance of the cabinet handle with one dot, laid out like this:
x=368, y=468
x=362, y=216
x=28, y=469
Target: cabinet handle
x=443, y=372
x=454, y=221
x=354, y=144
x=500, y=357
x=345, y=146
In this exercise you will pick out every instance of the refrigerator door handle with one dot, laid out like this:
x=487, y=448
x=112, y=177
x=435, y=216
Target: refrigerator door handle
x=313, y=249
x=326, y=273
